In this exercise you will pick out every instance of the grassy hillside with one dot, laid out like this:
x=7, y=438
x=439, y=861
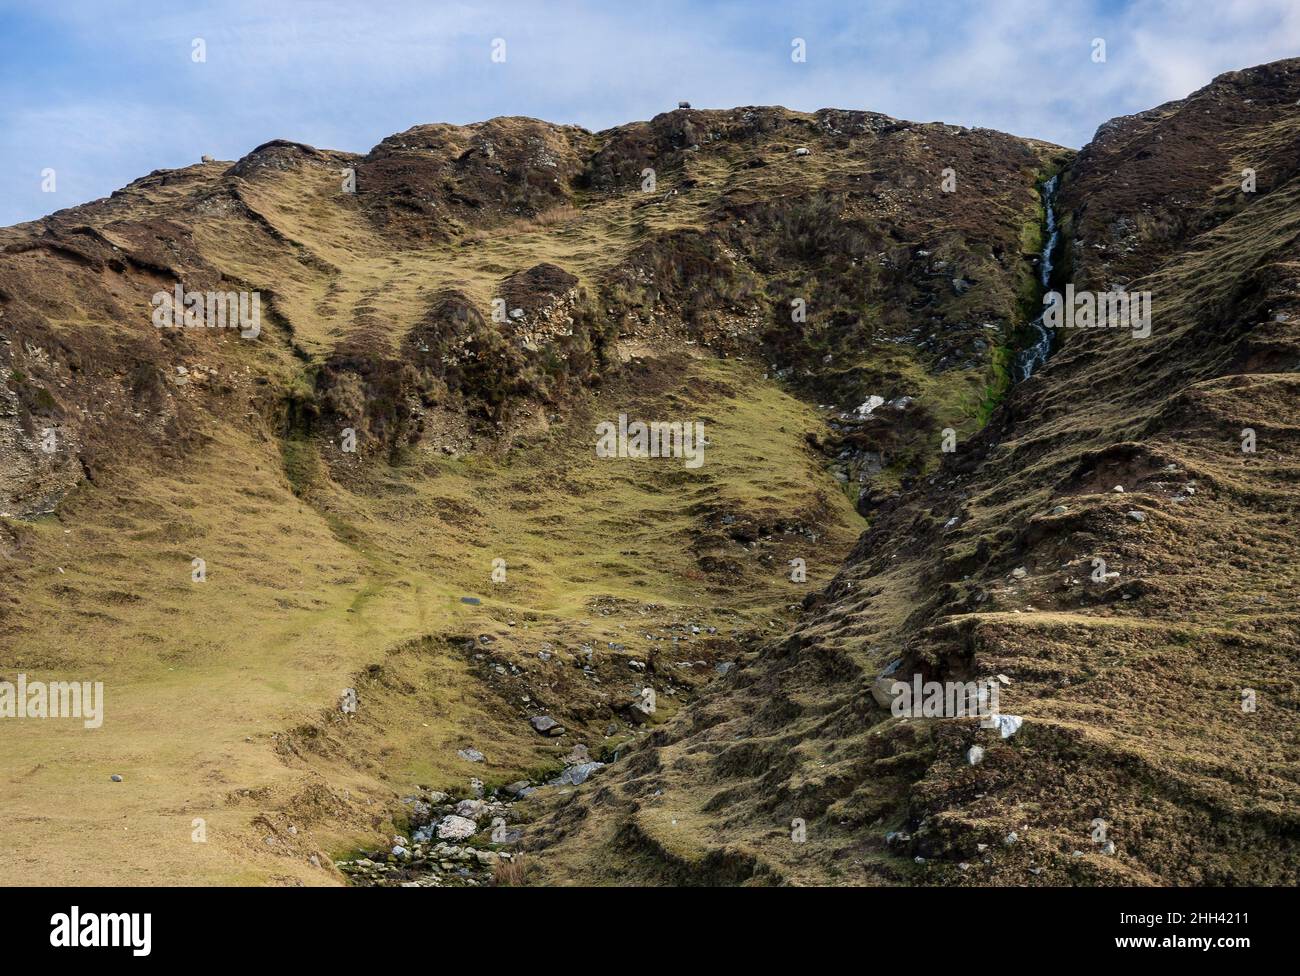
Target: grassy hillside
x=1159, y=701
x=328, y=570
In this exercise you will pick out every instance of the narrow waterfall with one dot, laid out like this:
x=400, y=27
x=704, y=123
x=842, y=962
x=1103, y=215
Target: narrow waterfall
x=1035, y=354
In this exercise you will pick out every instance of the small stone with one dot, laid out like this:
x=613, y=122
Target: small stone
x=1119, y=489
x=470, y=809
x=882, y=690
x=577, y=755
x=116, y=778
x=1060, y=509
x=1019, y=572
x=869, y=404
x=1007, y=725
x=1011, y=838
x=456, y=828
x=470, y=755
x=1137, y=516
x=1108, y=847
x=400, y=851
x=546, y=725
x=1003, y=679
x=975, y=755
x=641, y=707
x=577, y=775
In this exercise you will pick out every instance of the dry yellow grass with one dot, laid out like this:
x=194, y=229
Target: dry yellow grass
x=202, y=679
x=326, y=572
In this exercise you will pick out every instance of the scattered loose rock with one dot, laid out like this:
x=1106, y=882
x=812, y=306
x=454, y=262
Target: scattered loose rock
x=1007, y=725
x=546, y=725
x=576, y=775
x=456, y=828
x=470, y=809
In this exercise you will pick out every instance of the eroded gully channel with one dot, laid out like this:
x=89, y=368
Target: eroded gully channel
x=1033, y=356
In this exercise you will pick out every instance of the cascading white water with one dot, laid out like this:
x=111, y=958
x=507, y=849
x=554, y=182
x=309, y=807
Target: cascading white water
x=1034, y=355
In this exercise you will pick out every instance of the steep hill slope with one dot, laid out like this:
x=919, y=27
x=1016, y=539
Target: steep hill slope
x=1158, y=697
x=182, y=518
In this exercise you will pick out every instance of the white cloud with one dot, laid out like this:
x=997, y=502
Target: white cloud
x=344, y=75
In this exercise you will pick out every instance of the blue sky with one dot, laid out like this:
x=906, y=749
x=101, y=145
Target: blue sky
x=104, y=91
